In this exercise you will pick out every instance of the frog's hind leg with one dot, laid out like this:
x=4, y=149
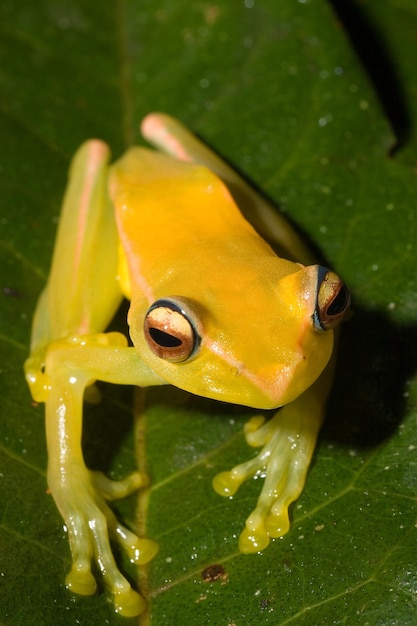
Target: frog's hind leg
x=82, y=292
x=170, y=136
x=69, y=352
x=82, y=287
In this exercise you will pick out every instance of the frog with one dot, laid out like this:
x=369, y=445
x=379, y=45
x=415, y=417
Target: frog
x=226, y=302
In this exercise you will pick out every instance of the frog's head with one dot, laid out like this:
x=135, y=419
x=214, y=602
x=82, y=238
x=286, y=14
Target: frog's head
x=257, y=346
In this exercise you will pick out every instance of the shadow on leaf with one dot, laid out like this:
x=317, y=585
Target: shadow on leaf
x=368, y=399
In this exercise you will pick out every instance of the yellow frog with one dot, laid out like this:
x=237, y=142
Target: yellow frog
x=213, y=311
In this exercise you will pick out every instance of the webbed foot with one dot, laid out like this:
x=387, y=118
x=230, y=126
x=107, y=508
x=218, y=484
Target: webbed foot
x=91, y=524
x=287, y=441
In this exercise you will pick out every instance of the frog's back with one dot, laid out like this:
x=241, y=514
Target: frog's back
x=158, y=196
x=166, y=207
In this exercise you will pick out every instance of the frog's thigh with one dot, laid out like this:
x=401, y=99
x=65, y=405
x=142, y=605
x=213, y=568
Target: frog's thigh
x=82, y=292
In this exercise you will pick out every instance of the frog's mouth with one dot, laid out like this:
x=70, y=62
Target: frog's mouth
x=266, y=388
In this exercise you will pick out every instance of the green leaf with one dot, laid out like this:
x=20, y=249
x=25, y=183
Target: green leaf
x=288, y=93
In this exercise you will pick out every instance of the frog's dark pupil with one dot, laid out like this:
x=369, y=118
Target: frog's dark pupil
x=340, y=302
x=165, y=340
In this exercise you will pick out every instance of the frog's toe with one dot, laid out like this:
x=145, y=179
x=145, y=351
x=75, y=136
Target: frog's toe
x=128, y=603
x=266, y=522
x=226, y=484
x=139, y=550
x=269, y=520
x=256, y=431
x=80, y=579
x=254, y=537
x=278, y=524
x=115, y=490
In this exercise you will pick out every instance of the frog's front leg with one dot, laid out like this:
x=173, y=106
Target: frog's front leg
x=81, y=495
x=288, y=441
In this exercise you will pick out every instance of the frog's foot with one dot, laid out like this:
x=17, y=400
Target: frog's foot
x=91, y=525
x=36, y=378
x=288, y=441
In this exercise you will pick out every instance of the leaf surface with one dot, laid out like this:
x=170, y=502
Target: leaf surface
x=285, y=92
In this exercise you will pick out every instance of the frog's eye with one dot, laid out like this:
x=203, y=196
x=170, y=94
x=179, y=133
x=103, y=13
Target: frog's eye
x=170, y=332
x=333, y=300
